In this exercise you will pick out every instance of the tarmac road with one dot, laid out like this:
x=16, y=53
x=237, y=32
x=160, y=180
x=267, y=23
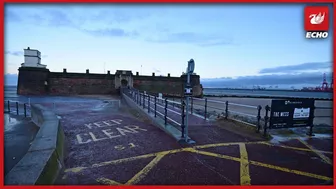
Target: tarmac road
x=107, y=146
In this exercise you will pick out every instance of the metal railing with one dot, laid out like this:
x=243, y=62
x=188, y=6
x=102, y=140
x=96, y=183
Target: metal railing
x=170, y=111
x=207, y=108
x=17, y=108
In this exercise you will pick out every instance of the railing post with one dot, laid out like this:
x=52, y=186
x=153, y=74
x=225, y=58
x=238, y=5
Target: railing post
x=155, y=106
x=165, y=116
x=182, y=116
x=148, y=104
x=140, y=100
x=137, y=97
x=144, y=101
x=17, y=108
x=192, y=105
x=205, y=108
x=173, y=103
x=267, y=108
x=25, y=109
x=226, y=109
x=8, y=104
x=258, y=118
x=310, y=133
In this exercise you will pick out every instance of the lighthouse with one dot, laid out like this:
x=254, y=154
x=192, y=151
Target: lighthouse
x=33, y=76
x=32, y=58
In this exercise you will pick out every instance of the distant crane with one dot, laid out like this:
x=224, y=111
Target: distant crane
x=324, y=83
x=332, y=81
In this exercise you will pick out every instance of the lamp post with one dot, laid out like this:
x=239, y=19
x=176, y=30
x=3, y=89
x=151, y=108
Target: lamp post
x=188, y=92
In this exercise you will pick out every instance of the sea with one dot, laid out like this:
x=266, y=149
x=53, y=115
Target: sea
x=10, y=94
x=268, y=93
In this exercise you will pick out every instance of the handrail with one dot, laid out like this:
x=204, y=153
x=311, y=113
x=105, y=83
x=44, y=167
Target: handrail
x=243, y=105
x=204, y=108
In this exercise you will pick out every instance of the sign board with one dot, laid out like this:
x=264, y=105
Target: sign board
x=291, y=113
x=188, y=91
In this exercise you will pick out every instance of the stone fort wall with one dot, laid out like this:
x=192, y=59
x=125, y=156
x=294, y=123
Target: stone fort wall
x=37, y=81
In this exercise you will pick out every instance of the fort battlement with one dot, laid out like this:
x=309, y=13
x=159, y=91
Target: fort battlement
x=37, y=80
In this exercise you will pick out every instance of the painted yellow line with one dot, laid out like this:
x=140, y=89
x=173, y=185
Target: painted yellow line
x=214, y=155
x=225, y=144
x=107, y=181
x=326, y=159
x=141, y=174
x=290, y=170
x=118, y=161
x=321, y=177
x=190, y=149
x=294, y=148
x=244, y=166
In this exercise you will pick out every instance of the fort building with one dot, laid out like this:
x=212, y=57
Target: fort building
x=36, y=79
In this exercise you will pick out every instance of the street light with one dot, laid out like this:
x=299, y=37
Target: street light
x=188, y=92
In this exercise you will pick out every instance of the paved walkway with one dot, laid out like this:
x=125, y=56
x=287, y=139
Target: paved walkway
x=110, y=147
x=19, y=132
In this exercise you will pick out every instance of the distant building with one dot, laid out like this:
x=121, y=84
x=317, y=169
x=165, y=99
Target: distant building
x=32, y=58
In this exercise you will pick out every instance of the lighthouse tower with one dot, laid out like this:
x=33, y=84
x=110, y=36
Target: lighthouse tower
x=33, y=76
x=32, y=58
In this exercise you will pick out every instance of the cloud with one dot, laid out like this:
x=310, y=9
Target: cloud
x=192, y=38
x=19, y=53
x=111, y=32
x=12, y=16
x=58, y=18
x=297, y=68
x=156, y=70
x=14, y=53
x=313, y=78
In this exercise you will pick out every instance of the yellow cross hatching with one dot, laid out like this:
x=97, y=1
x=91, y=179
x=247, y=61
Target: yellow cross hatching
x=243, y=160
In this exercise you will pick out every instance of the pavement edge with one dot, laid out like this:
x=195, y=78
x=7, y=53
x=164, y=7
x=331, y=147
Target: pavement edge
x=45, y=157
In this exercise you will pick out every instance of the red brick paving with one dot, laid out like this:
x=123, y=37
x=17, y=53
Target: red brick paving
x=180, y=168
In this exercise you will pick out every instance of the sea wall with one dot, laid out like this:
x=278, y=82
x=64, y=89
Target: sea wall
x=45, y=158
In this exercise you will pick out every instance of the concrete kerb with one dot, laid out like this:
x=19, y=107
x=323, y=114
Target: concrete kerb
x=158, y=122
x=45, y=157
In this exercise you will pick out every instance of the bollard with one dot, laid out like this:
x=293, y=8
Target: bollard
x=267, y=108
x=17, y=108
x=25, y=109
x=258, y=118
x=165, y=117
x=182, y=115
x=8, y=104
x=192, y=105
x=226, y=109
x=154, y=106
x=205, y=108
x=148, y=104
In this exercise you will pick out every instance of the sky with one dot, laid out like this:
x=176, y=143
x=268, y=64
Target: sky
x=232, y=44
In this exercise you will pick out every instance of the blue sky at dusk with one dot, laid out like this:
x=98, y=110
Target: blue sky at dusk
x=231, y=44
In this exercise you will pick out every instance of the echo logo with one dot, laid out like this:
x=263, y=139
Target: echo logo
x=316, y=21
x=310, y=35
